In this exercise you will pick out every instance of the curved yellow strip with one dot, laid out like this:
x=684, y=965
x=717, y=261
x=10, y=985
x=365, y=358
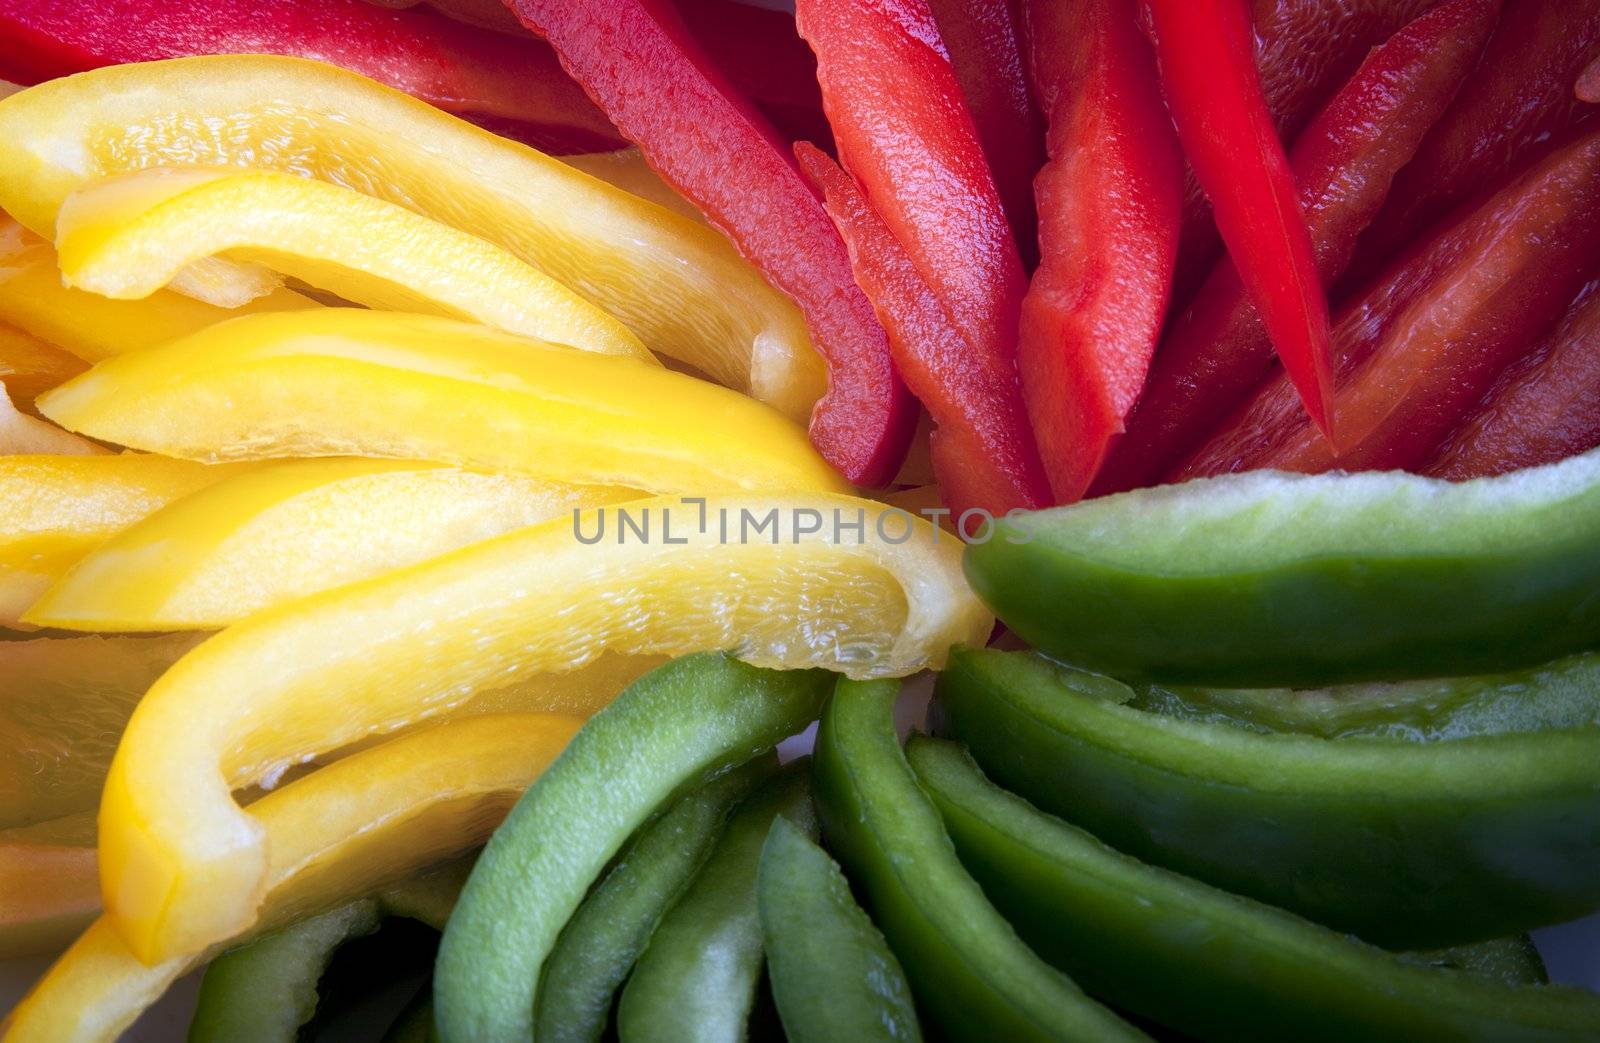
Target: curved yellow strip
x=21, y=434
x=773, y=579
x=626, y=169
x=55, y=509
x=127, y=236
x=30, y=367
x=343, y=381
x=287, y=530
x=49, y=886
x=340, y=833
x=676, y=283
x=33, y=299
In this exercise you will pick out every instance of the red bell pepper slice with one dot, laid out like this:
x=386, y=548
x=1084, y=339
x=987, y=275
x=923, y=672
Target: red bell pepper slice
x=640, y=64
x=760, y=51
x=1521, y=97
x=1588, y=89
x=983, y=450
x=1544, y=410
x=984, y=39
x=1109, y=202
x=1214, y=93
x=512, y=86
x=1430, y=337
x=1217, y=351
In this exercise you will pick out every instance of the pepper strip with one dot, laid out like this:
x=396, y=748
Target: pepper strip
x=29, y=366
x=1217, y=351
x=638, y=61
x=513, y=87
x=1109, y=204
x=758, y=49
x=1215, y=97
x=983, y=435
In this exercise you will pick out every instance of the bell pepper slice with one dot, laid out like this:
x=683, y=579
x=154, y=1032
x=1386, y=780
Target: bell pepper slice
x=601, y=942
x=1214, y=93
x=216, y=556
x=687, y=722
x=626, y=169
x=29, y=366
x=639, y=62
x=704, y=304
x=21, y=434
x=513, y=87
x=63, y=704
x=1273, y=579
x=182, y=865
x=34, y=299
x=832, y=974
x=697, y=978
x=1109, y=202
x=342, y=832
x=55, y=509
x=1544, y=410
x=1216, y=352
x=1521, y=97
x=967, y=968
x=758, y=49
x=49, y=885
x=1100, y=915
x=343, y=381
x=127, y=236
x=983, y=440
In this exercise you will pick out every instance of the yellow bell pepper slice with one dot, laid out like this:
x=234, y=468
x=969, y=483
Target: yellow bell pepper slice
x=626, y=169
x=21, y=434
x=126, y=237
x=33, y=299
x=183, y=866
x=29, y=366
x=49, y=885
x=340, y=833
x=55, y=509
x=676, y=283
x=219, y=555
x=63, y=705
x=342, y=381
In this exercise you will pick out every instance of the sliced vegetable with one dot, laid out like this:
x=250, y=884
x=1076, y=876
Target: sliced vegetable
x=1205, y=962
x=1409, y=845
x=49, y=885
x=345, y=381
x=1217, y=351
x=1271, y=579
x=638, y=60
x=24, y=435
x=758, y=49
x=216, y=556
x=705, y=306
x=29, y=366
x=1511, y=961
x=129, y=235
x=1108, y=233
x=689, y=720
x=967, y=968
x=697, y=978
x=832, y=974
x=626, y=169
x=342, y=832
x=1215, y=97
x=600, y=944
x=55, y=509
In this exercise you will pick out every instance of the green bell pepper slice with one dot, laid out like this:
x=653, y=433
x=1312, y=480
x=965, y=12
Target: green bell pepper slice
x=833, y=976
x=697, y=978
x=1265, y=579
x=1409, y=845
x=966, y=965
x=1208, y=963
x=668, y=732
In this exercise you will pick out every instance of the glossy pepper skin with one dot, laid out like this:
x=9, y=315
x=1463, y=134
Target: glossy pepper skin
x=1408, y=844
x=1400, y=394
x=638, y=61
x=1543, y=409
x=1109, y=202
x=1214, y=94
x=513, y=87
x=1217, y=350
x=1522, y=96
x=983, y=449
x=1207, y=963
x=1268, y=579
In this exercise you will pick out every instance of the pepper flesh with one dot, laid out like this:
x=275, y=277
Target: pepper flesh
x=513, y=87
x=307, y=118
x=638, y=61
x=758, y=49
x=49, y=886
x=1108, y=230
x=343, y=381
x=29, y=366
x=1217, y=350
x=25, y=435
